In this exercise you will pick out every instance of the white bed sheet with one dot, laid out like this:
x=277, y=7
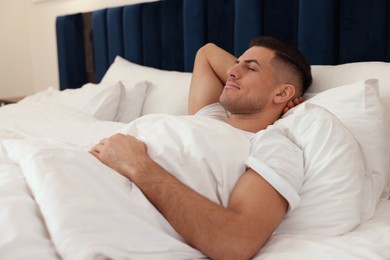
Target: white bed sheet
x=370, y=240
x=25, y=232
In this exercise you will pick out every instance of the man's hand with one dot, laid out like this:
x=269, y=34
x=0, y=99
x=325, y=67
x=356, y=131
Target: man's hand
x=292, y=103
x=237, y=232
x=123, y=153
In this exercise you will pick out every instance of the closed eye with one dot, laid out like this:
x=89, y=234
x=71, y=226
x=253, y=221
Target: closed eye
x=252, y=64
x=251, y=68
x=249, y=64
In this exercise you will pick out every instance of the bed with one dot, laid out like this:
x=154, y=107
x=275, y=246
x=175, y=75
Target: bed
x=118, y=64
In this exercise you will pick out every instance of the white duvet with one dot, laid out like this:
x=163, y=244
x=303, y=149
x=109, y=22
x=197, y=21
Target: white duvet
x=90, y=211
x=58, y=202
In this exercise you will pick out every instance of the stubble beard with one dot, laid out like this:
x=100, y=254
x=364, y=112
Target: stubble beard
x=240, y=106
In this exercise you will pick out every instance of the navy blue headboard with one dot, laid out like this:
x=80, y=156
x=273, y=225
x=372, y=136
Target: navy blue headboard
x=167, y=34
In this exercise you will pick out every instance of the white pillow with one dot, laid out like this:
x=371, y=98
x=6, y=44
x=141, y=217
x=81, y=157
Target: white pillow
x=328, y=76
x=55, y=121
x=359, y=107
x=167, y=90
x=132, y=100
x=333, y=198
x=98, y=100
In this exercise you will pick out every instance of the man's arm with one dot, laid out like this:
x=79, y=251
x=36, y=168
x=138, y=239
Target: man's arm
x=255, y=208
x=209, y=76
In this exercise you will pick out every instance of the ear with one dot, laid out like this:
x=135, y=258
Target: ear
x=285, y=92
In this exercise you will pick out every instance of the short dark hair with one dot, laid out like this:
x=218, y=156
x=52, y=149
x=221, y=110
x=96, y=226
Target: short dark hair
x=289, y=55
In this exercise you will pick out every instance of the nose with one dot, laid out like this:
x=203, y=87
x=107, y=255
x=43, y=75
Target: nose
x=233, y=72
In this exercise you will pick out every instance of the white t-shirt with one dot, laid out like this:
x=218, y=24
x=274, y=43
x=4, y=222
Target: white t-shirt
x=273, y=156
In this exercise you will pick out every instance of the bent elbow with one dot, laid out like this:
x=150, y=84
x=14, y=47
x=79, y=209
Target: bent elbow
x=239, y=250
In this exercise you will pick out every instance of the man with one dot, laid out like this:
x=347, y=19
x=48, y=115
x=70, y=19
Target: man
x=249, y=93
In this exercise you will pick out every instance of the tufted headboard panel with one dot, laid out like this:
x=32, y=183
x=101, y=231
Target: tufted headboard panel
x=166, y=34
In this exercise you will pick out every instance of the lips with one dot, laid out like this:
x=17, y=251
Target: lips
x=232, y=85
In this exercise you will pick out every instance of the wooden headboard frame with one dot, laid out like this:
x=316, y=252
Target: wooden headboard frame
x=167, y=34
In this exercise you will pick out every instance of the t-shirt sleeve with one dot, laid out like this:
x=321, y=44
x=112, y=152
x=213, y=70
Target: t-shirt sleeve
x=279, y=161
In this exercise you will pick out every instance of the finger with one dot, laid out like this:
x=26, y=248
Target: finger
x=103, y=141
x=296, y=101
x=94, y=153
x=94, y=150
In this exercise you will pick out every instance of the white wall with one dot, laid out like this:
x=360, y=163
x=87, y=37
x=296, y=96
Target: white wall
x=16, y=76
x=28, y=49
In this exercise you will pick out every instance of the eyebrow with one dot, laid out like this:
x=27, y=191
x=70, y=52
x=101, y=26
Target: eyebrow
x=250, y=61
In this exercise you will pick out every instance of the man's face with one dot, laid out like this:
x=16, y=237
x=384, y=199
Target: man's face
x=251, y=82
